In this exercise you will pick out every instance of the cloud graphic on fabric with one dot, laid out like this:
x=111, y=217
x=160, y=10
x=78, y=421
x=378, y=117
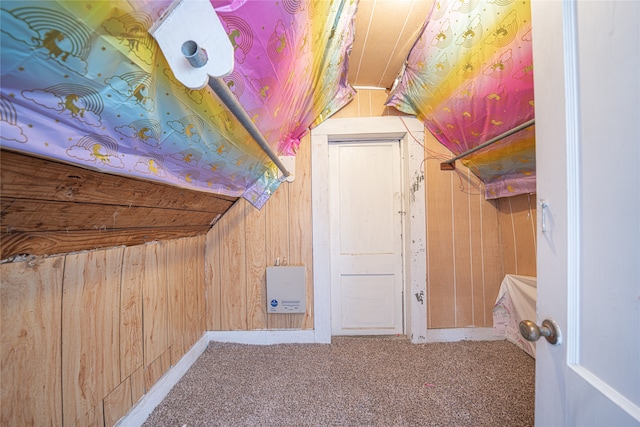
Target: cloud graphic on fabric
x=20, y=31
x=115, y=162
x=137, y=134
x=114, y=27
x=117, y=28
x=87, y=155
x=54, y=102
x=81, y=153
x=147, y=168
x=44, y=99
x=73, y=63
x=177, y=126
x=148, y=104
x=128, y=131
x=187, y=131
x=119, y=85
x=12, y=132
x=124, y=88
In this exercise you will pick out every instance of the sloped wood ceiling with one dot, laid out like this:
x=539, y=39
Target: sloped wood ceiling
x=385, y=32
x=49, y=208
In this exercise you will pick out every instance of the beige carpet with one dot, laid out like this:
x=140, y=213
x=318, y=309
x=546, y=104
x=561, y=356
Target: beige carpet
x=354, y=382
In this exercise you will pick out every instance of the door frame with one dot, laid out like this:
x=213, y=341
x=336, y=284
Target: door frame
x=407, y=130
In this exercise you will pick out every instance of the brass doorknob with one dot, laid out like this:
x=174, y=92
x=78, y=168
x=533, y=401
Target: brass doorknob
x=532, y=332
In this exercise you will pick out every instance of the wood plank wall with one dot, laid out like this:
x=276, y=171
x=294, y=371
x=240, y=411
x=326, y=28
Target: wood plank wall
x=472, y=243
x=247, y=240
x=517, y=218
x=103, y=326
x=85, y=335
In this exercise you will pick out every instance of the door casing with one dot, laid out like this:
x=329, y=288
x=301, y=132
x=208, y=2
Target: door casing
x=410, y=132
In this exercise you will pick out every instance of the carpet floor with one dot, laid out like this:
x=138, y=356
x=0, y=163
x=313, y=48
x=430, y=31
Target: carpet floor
x=354, y=382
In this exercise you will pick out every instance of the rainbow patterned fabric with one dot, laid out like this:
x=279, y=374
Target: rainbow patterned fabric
x=84, y=82
x=469, y=78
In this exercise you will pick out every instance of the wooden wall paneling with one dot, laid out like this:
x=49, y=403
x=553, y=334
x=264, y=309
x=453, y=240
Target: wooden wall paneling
x=256, y=266
x=377, y=99
x=194, y=286
x=31, y=354
x=533, y=226
x=131, y=335
x=59, y=242
x=34, y=178
x=54, y=208
x=190, y=292
x=300, y=224
x=212, y=278
x=277, y=239
x=93, y=418
x=137, y=384
x=176, y=296
x=507, y=235
x=155, y=320
x=440, y=251
x=476, y=204
x=462, y=248
x=352, y=109
x=524, y=218
x=117, y=403
x=156, y=369
x=365, y=105
x=33, y=215
x=90, y=332
x=202, y=321
x=177, y=350
x=493, y=256
x=233, y=278
x=368, y=103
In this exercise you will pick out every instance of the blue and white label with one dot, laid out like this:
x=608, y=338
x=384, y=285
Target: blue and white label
x=274, y=303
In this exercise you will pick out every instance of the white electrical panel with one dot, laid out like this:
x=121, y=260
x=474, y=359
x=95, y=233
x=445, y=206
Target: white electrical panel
x=286, y=289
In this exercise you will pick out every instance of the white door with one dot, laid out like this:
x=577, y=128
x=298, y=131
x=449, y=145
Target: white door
x=587, y=98
x=366, y=238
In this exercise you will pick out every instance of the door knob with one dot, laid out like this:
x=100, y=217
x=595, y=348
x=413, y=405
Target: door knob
x=532, y=332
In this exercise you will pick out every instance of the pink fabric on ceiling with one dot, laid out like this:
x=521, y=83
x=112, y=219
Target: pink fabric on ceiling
x=84, y=82
x=469, y=78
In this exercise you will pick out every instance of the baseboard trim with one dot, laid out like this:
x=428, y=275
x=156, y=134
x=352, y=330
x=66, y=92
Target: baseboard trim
x=156, y=394
x=264, y=337
x=463, y=334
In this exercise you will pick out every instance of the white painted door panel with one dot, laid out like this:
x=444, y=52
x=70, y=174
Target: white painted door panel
x=366, y=238
x=588, y=149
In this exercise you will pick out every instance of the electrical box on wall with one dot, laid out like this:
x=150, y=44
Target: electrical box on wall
x=286, y=289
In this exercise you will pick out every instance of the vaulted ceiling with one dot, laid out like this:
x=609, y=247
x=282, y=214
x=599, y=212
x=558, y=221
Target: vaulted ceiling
x=385, y=32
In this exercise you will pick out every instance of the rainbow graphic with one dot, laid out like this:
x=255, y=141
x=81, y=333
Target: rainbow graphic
x=85, y=83
x=469, y=78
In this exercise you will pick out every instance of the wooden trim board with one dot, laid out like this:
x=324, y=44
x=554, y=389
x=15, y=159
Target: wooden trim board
x=405, y=129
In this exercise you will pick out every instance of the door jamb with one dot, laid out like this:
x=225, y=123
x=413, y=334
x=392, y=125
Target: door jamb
x=407, y=130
